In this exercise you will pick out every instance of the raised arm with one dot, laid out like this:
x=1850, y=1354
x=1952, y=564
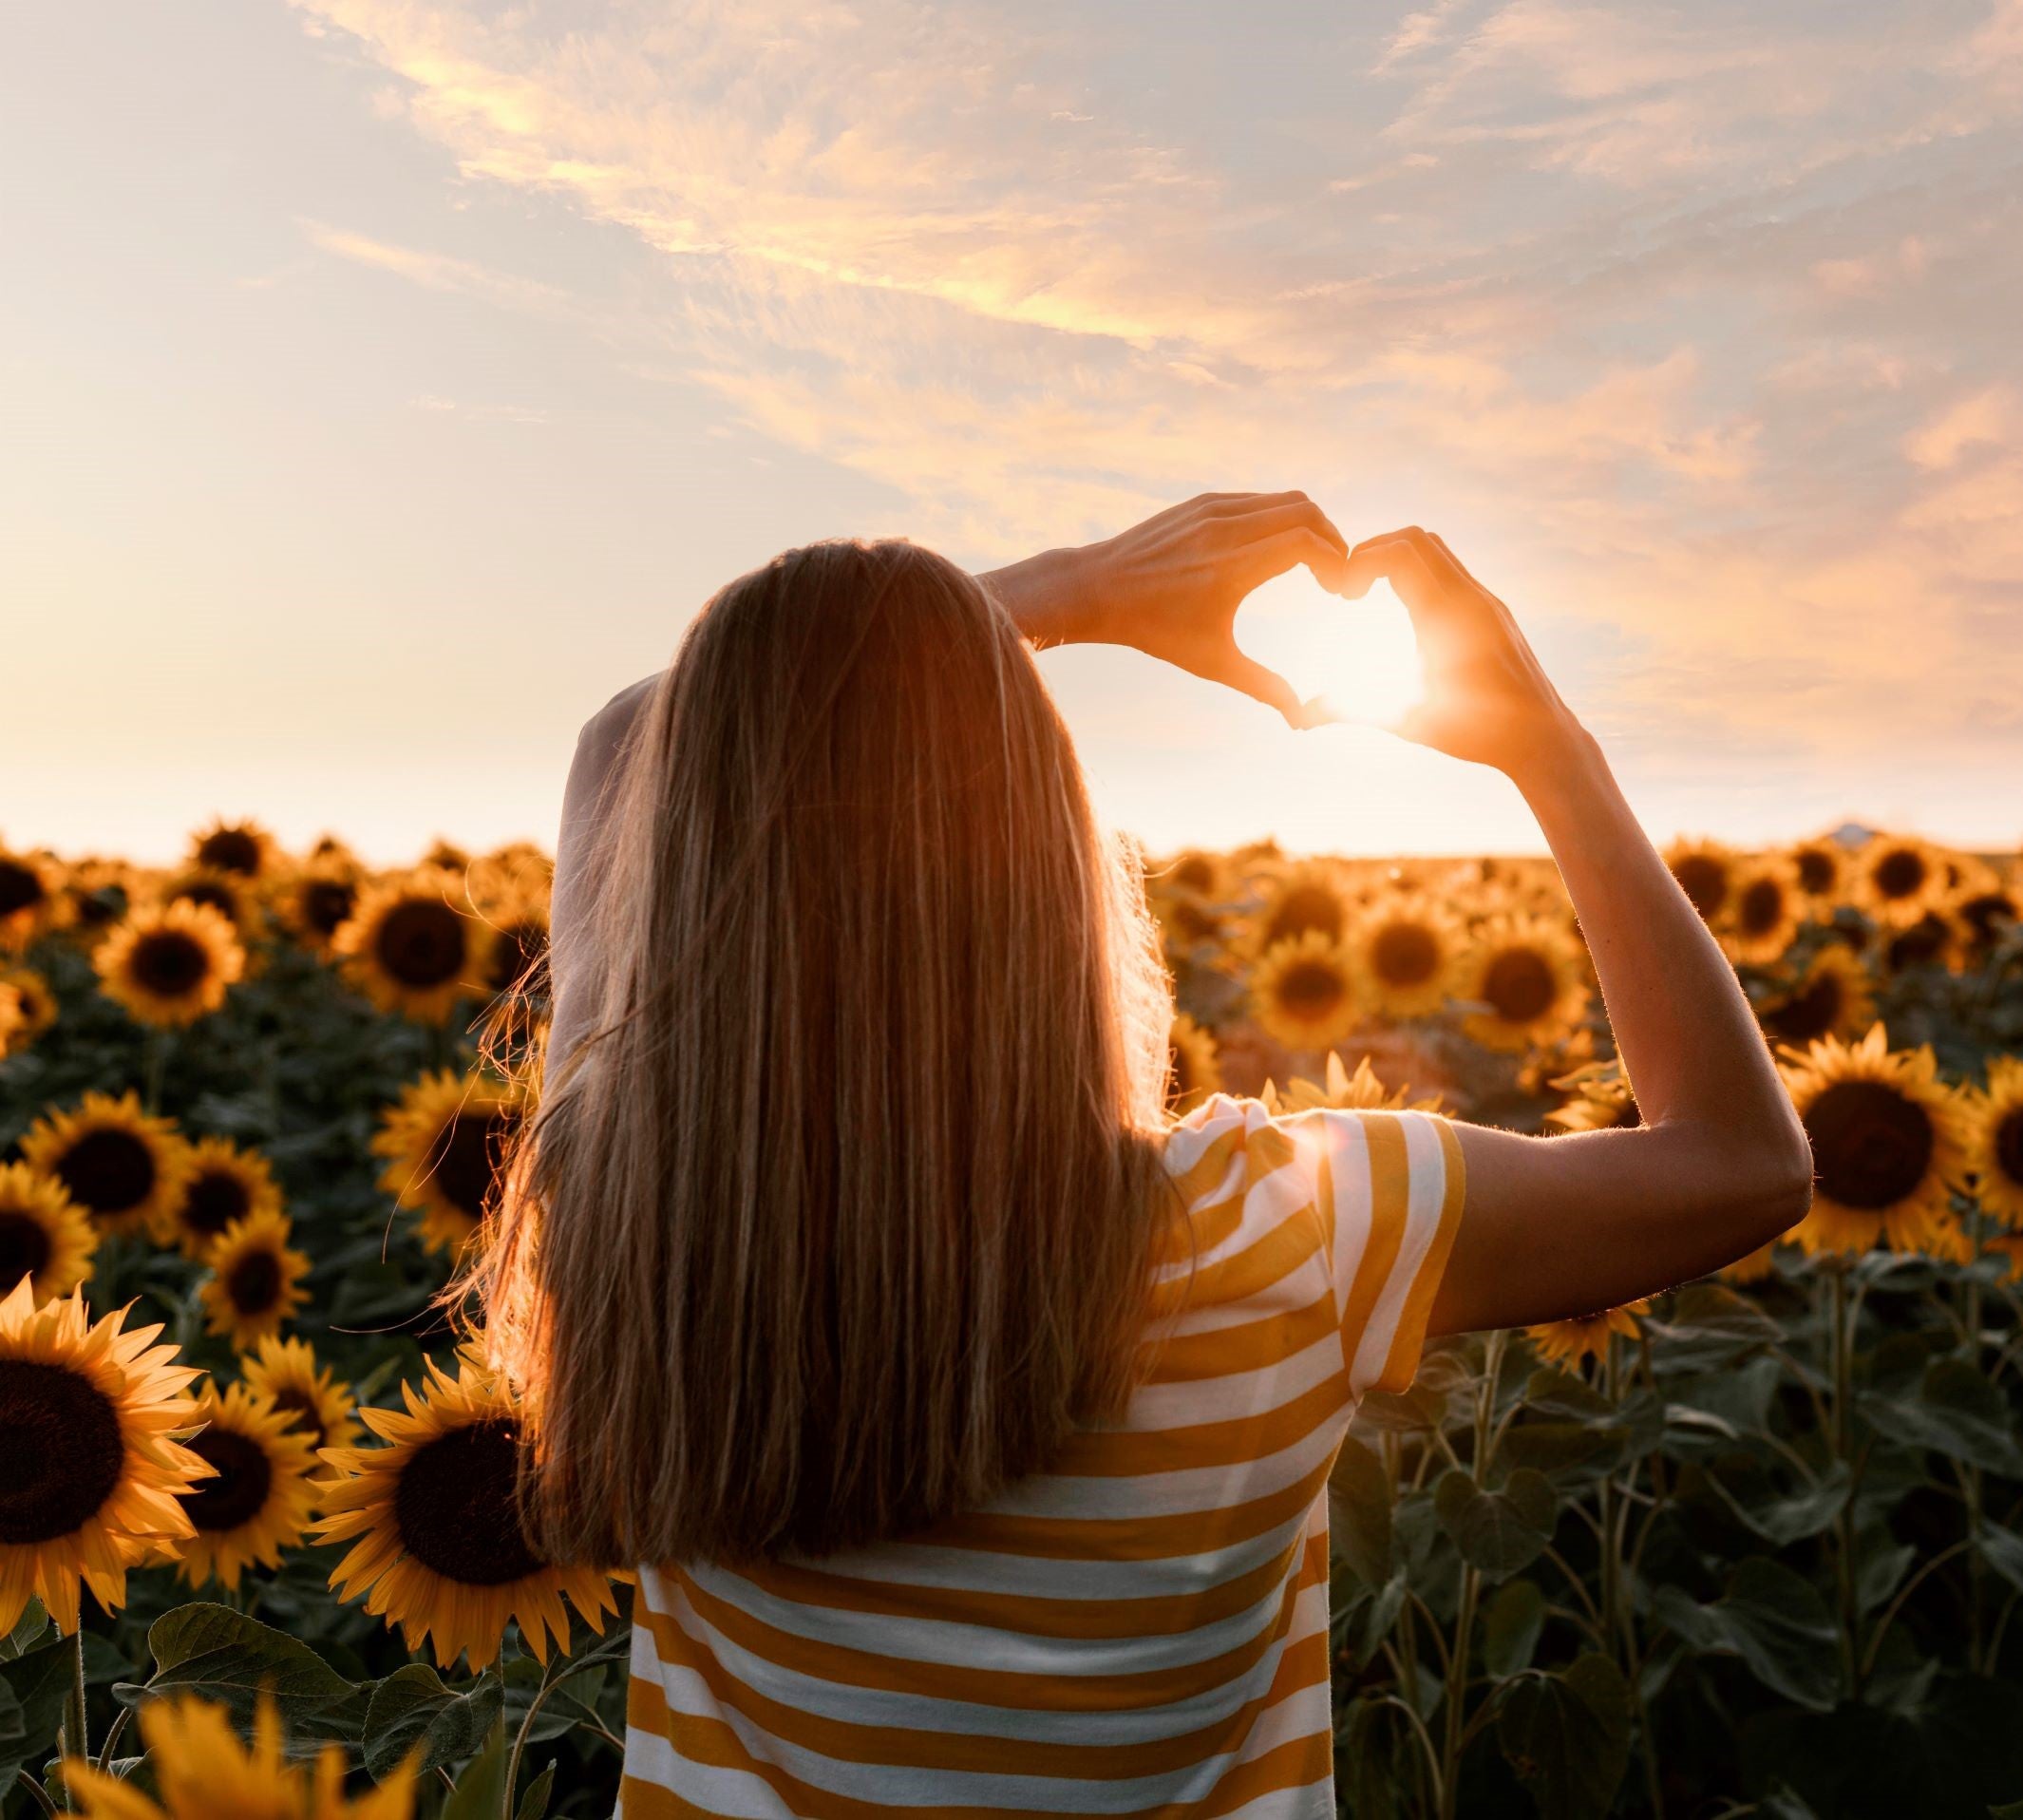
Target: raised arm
x=1560, y=1226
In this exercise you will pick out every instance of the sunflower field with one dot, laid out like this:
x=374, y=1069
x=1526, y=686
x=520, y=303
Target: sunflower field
x=1751, y=1547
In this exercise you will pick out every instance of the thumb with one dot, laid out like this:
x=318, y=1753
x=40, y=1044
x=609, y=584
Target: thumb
x=1268, y=685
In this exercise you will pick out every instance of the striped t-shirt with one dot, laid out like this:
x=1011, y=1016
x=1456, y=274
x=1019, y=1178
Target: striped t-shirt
x=1144, y=1629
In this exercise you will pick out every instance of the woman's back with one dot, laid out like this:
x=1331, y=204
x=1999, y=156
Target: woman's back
x=1142, y=1628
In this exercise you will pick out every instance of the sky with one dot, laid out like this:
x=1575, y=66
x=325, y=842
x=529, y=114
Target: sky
x=386, y=382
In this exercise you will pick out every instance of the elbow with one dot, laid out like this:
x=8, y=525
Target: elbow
x=1780, y=1180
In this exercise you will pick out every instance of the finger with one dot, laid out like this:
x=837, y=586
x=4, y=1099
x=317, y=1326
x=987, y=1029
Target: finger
x=1404, y=559
x=1268, y=516
x=1257, y=563
x=1268, y=685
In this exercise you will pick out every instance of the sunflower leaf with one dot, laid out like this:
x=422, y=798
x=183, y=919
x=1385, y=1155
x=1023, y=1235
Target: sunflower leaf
x=34, y=1686
x=225, y=1655
x=1955, y=1411
x=1776, y=1622
x=533, y=1804
x=413, y=1707
x=1499, y=1532
x=1567, y=1736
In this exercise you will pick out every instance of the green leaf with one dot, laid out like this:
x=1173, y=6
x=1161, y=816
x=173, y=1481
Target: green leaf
x=1710, y=1325
x=1567, y=1736
x=1359, y=1505
x=481, y=1790
x=1783, y=1803
x=27, y=1631
x=2006, y=1811
x=1774, y=1621
x=1881, y=1571
x=225, y=1655
x=14, y=1747
x=1752, y=1494
x=1955, y=1411
x=413, y=1707
x=2002, y=1549
x=1499, y=1532
x=533, y=1804
x=1571, y=1452
x=37, y=1685
x=1512, y=1623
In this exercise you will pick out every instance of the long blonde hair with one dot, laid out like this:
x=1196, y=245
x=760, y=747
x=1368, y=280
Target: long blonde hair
x=839, y=1219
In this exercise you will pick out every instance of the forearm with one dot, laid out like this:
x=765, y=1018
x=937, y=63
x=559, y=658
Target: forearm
x=1046, y=595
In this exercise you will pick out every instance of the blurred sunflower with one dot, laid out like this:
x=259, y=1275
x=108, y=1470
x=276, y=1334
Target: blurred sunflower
x=1706, y=872
x=317, y=900
x=306, y=1394
x=1764, y=908
x=1753, y=1267
x=1897, y=878
x=1528, y=975
x=1194, y=1072
x=1297, y=900
x=121, y=1166
x=1600, y=1103
x=1567, y=1342
x=36, y=1006
x=446, y=1141
x=1889, y=1142
x=1344, y=1092
x=434, y=1520
x=13, y=1017
x=1198, y=870
x=231, y=895
x=1304, y=991
x=44, y=1236
x=1821, y=868
x=1404, y=952
x=520, y=944
x=203, y=1772
x=96, y=894
x=1932, y=940
x=244, y=848
x=1834, y=998
x=28, y=903
x=225, y=1184
x=259, y=1498
x=255, y=1278
x=1994, y=1141
x=1986, y=913
x=92, y=1478
x=1185, y=921
x=170, y=964
x=411, y=949
x=507, y=875
x=447, y=856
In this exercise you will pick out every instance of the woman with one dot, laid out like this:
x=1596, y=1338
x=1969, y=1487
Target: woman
x=969, y=1420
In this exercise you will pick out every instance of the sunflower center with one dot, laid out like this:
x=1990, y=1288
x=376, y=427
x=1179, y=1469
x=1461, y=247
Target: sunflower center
x=1304, y=907
x=2008, y=1146
x=421, y=942
x=470, y=1156
x=1809, y=1013
x=230, y=850
x=216, y=897
x=245, y=1476
x=1704, y=882
x=60, y=1437
x=456, y=1508
x=300, y=1407
x=108, y=1170
x=1519, y=985
x=1761, y=907
x=1924, y=941
x=170, y=963
x=1900, y=873
x=215, y=1198
x=1816, y=871
x=24, y=1246
x=20, y=886
x=1404, y=954
x=254, y=1282
x=1311, y=989
x=1870, y=1145
x=326, y=904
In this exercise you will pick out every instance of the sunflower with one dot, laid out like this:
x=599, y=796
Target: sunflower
x=1598, y=1103
x=244, y=848
x=307, y=1393
x=1987, y=914
x=116, y=1162
x=1751, y=1267
x=1995, y=1142
x=1897, y=878
x=169, y=964
x=96, y=895
x=255, y=1278
x=434, y=1520
x=29, y=901
x=231, y=895
x=409, y=947
x=260, y=1496
x=35, y=1003
x=12, y=1016
x=1194, y=1072
x=1765, y=907
x=1821, y=868
x=518, y=943
x=1526, y=974
x=447, y=856
x=1199, y=871
x=317, y=900
x=509, y=874
x=44, y=1236
x=1405, y=953
x=203, y=1772
x=1305, y=992
x=1360, y=1092
x=444, y=1141
x=86, y=1411
x=1706, y=872
x=1567, y=1342
x=1185, y=921
x=1888, y=1139
x=1298, y=900
x=1834, y=998
x=225, y=1184
x=1932, y=940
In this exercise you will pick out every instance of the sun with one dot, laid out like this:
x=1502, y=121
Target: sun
x=1359, y=658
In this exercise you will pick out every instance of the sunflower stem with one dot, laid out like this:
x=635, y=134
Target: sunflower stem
x=1976, y=1597
x=549, y=1682
x=114, y=1732
x=155, y=1064
x=76, y=1744
x=39, y=1794
x=1843, y=1368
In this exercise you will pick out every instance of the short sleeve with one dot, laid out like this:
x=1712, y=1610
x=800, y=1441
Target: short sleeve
x=1390, y=1186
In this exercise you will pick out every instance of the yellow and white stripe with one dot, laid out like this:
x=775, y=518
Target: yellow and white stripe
x=1142, y=1631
